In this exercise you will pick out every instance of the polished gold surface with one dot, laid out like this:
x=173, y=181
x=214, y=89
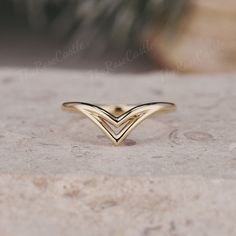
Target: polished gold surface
x=124, y=118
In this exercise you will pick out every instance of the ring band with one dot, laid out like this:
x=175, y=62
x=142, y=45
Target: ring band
x=123, y=117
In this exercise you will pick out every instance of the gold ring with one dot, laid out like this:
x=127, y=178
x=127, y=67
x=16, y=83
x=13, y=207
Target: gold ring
x=123, y=117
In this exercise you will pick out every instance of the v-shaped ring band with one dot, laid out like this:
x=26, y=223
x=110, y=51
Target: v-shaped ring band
x=123, y=117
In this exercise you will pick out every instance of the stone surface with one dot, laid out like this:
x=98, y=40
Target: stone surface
x=72, y=205
x=175, y=174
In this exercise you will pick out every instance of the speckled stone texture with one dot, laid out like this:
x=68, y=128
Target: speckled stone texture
x=59, y=175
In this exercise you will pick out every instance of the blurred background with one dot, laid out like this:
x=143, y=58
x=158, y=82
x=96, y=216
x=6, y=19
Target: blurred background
x=188, y=36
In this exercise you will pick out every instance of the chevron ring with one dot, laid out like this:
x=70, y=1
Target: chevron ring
x=117, y=121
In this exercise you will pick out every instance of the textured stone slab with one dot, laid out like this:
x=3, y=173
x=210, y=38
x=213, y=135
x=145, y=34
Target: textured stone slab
x=59, y=175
